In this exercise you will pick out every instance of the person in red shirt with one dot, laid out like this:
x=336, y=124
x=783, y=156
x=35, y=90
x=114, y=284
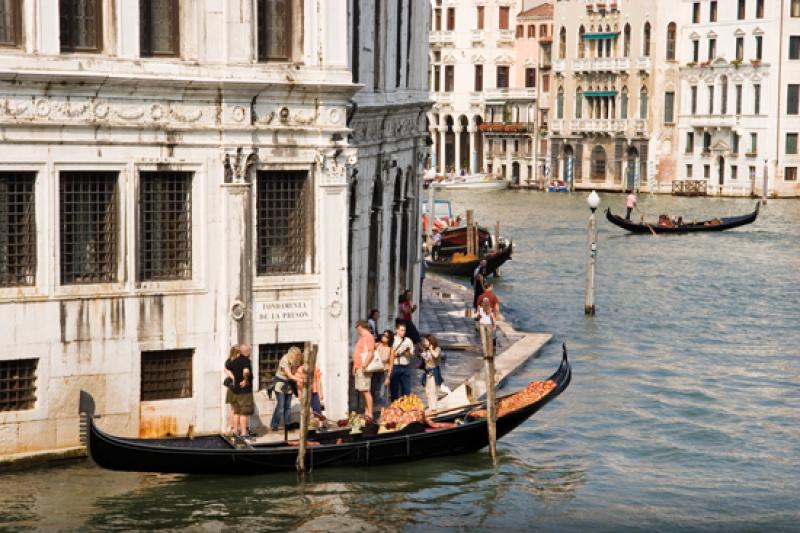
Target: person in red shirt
x=495, y=303
x=362, y=355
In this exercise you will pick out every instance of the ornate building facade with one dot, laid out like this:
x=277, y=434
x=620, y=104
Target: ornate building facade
x=174, y=180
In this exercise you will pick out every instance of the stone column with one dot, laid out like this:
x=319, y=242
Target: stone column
x=434, y=147
x=443, y=150
x=457, y=137
x=473, y=152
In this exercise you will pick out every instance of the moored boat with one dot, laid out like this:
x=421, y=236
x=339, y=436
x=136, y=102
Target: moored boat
x=451, y=434
x=455, y=265
x=714, y=224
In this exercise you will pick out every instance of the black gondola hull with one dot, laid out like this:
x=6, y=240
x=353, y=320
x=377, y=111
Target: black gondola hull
x=724, y=224
x=213, y=454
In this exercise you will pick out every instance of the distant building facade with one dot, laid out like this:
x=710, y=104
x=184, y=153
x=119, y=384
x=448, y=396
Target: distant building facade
x=184, y=187
x=740, y=74
x=484, y=113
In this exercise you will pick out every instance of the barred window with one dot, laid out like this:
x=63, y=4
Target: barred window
x=274, y=21
x=81, y=23
x=269, y=355
x=166, y=374
x=159, y=28
x=18, y=384
x=88, y=227
x=165, y=226
x=17, y=229
x=10, y=22
x=282, y=200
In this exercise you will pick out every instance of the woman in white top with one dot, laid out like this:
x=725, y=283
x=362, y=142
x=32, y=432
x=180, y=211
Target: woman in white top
x=432, y=377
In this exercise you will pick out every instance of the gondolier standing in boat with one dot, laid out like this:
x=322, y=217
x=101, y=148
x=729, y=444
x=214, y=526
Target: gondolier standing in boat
x=630, y=204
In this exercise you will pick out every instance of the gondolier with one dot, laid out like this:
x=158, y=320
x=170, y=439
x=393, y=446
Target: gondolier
x=630, y=203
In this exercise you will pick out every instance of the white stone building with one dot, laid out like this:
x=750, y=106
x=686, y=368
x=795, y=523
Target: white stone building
x=388, y=56
x=483, y=115
x=740, y=76
x=174, y=180
x=613, y=124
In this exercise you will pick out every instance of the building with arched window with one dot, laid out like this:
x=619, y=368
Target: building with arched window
x=613, y=81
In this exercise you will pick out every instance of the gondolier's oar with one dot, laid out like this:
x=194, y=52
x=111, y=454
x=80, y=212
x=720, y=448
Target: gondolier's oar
x=645, y=223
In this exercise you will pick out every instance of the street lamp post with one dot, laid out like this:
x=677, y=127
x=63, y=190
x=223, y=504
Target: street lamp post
x=591, y=257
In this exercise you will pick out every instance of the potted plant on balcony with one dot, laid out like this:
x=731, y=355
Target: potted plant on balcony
x=755, y=62
x=705, y=64
x=736, y=63
x=691, y=64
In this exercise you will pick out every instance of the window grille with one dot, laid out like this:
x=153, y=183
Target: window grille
x=282, y=200
x=88, y=227
x=9, y=22
x=269, y=355
x=274, y=21
x=17, y=229
x=159, y=28
x=81, y=23
x=165, y=226
x=18, y=384
x=166, y=374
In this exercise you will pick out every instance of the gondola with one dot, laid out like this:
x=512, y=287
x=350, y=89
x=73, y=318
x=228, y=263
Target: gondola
x=216, y=455
x=720, y=224
x=446, y=265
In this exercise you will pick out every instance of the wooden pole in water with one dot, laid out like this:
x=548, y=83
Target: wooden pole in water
x=310, y=365
x=497, y=245
x=591, y=256
x=470, y=233
x=491, y=408
x=765, y=184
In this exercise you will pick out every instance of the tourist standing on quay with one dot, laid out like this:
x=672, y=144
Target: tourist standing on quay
x=478, y=283
x=380, y=379
x=362, y=355
x=400, y=377
x=630, y=203
x=233, y=353
x=487, y=324
x=493, y=300
x=405, y=314
x=284, y=384
x=242, y=373
x=432, y=373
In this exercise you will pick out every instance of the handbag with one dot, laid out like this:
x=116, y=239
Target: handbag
x=376, y=364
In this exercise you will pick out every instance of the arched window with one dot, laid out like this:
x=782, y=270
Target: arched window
x=581, y=42
x=626, y=37
x=599, y=163
x=671, y=31
x=560, y=103
x=562, y=43
x=643, y=103
x=646, y=40
x=623, y=108
x=579, y=103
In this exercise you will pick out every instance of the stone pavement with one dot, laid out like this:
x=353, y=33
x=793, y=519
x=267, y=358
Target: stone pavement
x=443, y=309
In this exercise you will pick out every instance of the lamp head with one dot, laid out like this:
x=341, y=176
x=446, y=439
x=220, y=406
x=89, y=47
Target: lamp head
x=593, y=200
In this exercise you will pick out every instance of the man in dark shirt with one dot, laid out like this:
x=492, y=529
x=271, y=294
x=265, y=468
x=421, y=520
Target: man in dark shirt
x=242, y=370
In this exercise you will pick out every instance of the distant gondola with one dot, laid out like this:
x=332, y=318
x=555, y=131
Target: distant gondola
x=446, y=265
x=215, y=455
x=720, y=224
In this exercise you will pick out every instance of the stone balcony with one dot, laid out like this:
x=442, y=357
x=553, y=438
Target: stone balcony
x=557, y=125
x=442, y=38
x=601, y=64
x=443, y=98
x=505, y=37
x=560, y=66
x=477, y=37
x=598, y=125
x=644, y=63
x=505, y=95
x=713, y=121
x=475, y=97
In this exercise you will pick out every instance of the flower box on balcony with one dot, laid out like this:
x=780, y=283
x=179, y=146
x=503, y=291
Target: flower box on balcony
x=691, y=64
x=755, y=62
x=736, y=62
x=705, y=64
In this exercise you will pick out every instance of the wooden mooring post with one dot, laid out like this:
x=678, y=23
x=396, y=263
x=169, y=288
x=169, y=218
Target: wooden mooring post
x=310, y=365
x=471, y=248
x=491, y=407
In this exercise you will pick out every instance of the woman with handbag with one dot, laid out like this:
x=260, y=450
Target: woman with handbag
x=233, y=353
x=378, y=367
x=362, y=355
x=432, y=374
x=284, y=384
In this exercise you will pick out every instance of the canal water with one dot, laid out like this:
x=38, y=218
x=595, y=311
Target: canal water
x=683, y=411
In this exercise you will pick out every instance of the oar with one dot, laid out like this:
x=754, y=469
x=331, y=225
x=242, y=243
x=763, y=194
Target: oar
x=645, y=223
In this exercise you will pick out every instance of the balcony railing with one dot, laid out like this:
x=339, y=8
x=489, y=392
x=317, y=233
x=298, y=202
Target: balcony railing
x=443, y=98
x=640, y=125
x=508, y=127
x=505, y=37
x=477, y=36
x=644, y=63
x=598, y=125
x=519, y=93
x=442, y=37
x=601, y=64
x=558, y=125
x=713, y=121
x=475, y=98
x=560, y=65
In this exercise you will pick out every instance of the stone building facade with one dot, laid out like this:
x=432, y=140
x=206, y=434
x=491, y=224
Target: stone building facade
x=388, y=57
x=483, y=118
x=616, y=76
x=174, y=180
x=740, y=76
